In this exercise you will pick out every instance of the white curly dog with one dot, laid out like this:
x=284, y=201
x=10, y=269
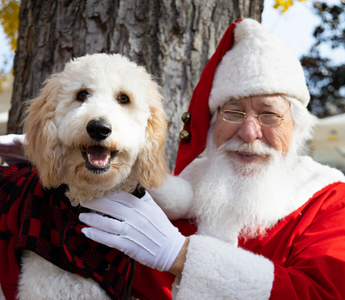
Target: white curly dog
x=97, y=127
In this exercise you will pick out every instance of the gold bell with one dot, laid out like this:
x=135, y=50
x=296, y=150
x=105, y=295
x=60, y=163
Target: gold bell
x=184, y=135
x=186, y=117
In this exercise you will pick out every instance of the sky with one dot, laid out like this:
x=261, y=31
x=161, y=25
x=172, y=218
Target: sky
x=294, y=28
x=5, y=51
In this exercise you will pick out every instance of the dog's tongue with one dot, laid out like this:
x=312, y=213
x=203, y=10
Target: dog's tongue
x=98, y=156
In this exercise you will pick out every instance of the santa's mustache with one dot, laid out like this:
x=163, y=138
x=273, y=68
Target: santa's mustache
x=253, y=148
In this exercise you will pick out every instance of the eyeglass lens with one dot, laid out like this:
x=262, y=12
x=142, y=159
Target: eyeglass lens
x=264, y=119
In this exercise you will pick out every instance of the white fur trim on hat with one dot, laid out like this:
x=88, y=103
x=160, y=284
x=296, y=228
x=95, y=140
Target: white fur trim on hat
x=257, y=64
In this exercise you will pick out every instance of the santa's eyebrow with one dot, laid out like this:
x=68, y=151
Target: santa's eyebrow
x=232, y=102
x=269, y=105
x=264, y=104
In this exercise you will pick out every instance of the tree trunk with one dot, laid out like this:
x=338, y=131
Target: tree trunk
x=172, y=39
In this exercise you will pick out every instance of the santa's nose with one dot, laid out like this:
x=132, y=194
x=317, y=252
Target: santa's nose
x=250, y=129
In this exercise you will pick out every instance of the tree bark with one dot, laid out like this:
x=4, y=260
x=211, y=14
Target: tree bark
x=172, y=39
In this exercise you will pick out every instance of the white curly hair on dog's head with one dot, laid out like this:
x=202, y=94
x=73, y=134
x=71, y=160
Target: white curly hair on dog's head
x=97, y=126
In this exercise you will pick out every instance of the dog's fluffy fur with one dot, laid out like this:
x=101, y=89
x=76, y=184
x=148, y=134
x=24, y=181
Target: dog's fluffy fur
x=98, y=88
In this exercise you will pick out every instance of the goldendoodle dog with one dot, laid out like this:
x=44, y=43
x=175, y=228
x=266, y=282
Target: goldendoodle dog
x=96, y=127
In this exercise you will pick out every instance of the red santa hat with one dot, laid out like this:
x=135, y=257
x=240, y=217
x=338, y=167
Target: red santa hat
x=257, y=64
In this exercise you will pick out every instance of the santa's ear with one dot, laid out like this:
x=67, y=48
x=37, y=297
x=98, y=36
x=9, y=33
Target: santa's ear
x=152, y=163
x=42, y=145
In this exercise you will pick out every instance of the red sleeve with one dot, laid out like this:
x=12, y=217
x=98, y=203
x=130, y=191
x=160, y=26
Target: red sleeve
x=150, y=284
x=315, y=268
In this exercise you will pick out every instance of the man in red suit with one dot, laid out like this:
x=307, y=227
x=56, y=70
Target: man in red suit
x=270, y=222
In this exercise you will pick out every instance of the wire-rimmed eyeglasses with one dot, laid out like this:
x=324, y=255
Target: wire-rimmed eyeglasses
x=265, y=119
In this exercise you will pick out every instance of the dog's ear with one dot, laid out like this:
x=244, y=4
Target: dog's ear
x=152, y=162
x=42, y=145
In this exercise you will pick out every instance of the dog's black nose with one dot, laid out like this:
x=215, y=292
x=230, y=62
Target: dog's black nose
x=98, y=129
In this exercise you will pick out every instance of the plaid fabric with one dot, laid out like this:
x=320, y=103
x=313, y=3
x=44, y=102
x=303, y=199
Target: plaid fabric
x=44, y=222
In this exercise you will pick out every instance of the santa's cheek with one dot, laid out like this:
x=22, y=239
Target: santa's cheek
x=279, y=138
x=220, y=135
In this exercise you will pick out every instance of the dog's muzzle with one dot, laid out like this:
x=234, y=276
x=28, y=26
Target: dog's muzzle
x=98, y=157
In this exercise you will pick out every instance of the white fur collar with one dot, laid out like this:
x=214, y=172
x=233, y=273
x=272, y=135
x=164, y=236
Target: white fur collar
x=310, y=177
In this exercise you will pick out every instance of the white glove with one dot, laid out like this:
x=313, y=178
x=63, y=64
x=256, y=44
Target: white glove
x=11, y=148
x=142, y=230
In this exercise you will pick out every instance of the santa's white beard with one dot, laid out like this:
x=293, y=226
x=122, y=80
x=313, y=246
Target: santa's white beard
x=233, y=197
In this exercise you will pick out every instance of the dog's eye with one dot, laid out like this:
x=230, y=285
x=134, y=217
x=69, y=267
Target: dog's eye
x=123, y=99
x=82, y=96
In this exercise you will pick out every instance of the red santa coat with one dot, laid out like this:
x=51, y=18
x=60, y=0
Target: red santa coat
x=302, y=257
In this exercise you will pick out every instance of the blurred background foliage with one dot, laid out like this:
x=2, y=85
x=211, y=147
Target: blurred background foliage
x=9, y=19
x=325, y=79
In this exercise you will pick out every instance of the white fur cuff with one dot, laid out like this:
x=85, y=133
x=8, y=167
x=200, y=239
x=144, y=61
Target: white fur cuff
x=216, y=270
x=174, y=197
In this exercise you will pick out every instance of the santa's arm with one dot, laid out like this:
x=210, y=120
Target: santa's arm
x=315, y=268
x=215, y=270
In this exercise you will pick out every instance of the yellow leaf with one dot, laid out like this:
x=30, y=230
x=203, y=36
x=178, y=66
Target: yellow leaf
x=285, y=4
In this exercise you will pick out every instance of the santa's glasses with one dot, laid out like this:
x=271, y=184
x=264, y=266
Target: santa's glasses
x=265, y=119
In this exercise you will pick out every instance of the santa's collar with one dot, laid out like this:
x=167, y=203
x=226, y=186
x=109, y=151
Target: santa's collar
x=310, y=177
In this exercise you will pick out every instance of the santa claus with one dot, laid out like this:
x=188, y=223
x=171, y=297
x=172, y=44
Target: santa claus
x=270, y=221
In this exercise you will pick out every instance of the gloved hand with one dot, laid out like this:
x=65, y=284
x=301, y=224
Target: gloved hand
x=11, y=148
x=142, y=230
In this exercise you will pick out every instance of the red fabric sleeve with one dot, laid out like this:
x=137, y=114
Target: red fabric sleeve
x=315, y=268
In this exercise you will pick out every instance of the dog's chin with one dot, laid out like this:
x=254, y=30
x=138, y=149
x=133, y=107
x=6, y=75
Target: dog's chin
x=98, y=158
